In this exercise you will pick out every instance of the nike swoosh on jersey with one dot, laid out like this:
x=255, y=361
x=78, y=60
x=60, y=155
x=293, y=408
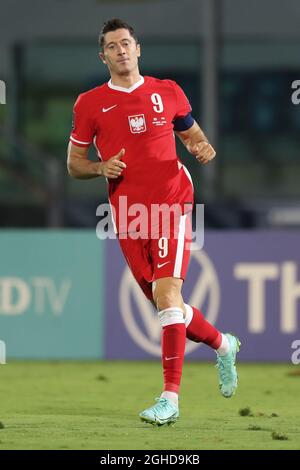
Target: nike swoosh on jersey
x=169, y=358
x=163, y=264
x=107, y=109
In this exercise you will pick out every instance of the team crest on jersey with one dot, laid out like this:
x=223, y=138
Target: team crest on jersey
x=137, y=123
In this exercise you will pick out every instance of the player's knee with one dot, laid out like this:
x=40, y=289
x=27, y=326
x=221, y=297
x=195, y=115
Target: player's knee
x=166, y=298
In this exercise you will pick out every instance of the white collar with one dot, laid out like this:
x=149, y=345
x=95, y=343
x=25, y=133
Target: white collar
x=126, y=90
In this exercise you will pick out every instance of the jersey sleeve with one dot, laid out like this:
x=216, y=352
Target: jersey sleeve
x=83, y=129
x=183, y=106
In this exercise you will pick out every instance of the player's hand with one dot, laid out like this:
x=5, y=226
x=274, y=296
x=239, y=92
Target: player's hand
x=113, y=167
x=203, y=151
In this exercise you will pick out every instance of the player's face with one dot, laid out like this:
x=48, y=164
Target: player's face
x=120, y=52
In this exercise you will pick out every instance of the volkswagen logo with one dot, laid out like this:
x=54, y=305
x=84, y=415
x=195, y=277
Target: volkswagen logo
x=140, y=317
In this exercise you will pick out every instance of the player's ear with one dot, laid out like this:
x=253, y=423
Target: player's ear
x=138, y=48
x=101, y=57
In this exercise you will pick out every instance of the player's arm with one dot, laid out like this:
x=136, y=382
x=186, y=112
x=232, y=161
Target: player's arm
x=196, y=143
x=79, y=166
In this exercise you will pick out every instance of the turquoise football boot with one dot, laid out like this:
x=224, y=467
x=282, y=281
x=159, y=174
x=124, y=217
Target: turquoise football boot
x=163, y=412
x=228, y=378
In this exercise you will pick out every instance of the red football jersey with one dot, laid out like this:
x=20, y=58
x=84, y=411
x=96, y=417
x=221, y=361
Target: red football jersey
x=140, y=120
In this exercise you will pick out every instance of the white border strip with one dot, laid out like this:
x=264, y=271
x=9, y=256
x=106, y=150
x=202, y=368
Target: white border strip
x=188, y=175
x=180, y=246
x=126, y=90
x=79, y=141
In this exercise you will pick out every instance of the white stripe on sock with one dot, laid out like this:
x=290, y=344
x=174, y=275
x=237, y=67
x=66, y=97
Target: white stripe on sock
x=188, y=314
x=225, y=346
x=172, y=396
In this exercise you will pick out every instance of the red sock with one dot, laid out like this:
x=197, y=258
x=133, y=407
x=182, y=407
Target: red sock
x=173, y=346
x=200, y=330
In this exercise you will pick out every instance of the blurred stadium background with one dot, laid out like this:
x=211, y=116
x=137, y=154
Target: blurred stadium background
x=65, y=294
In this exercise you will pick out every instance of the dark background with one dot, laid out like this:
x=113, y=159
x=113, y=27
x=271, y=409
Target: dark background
x=236, y=61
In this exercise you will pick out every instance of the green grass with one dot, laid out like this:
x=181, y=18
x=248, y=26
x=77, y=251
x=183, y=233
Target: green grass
x=95, y=405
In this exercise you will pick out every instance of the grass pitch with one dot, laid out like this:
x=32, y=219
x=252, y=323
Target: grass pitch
x=95, y=405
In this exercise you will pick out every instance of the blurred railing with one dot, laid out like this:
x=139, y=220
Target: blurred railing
x=32, y=173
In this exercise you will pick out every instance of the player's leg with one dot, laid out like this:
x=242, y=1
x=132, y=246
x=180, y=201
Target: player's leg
x=171, y=258
x=199, y=330
x=169, y=262
x=168, y=300
x=139, y=263
x=169, y=303
x=138, y=258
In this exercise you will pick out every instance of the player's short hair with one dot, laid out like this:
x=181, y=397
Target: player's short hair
x=113, y=25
